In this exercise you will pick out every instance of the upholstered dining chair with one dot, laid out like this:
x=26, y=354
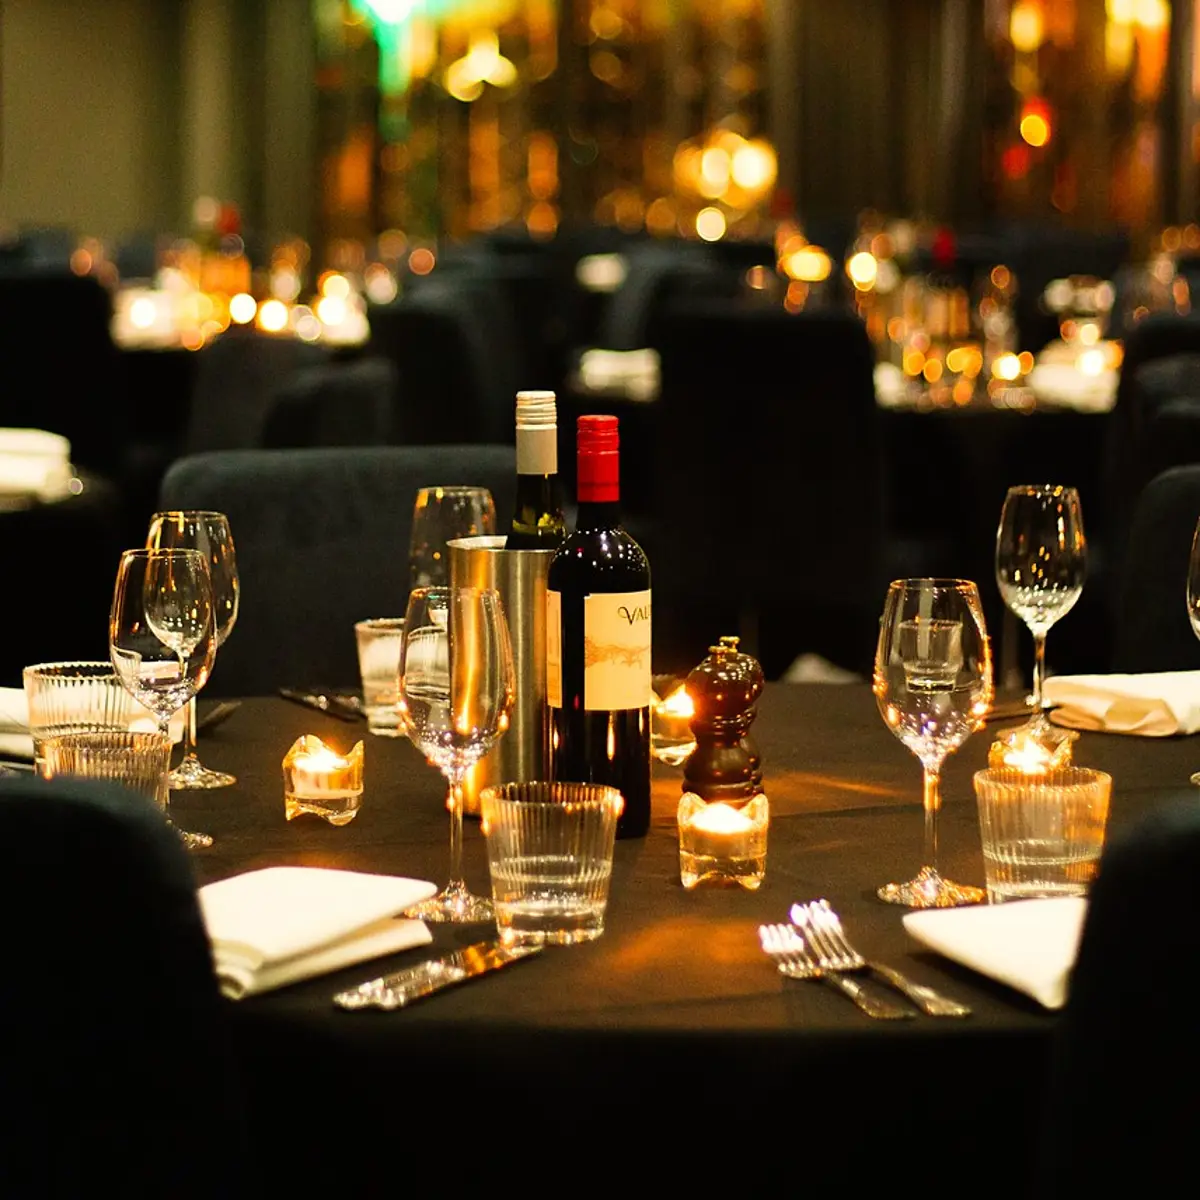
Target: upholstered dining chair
x=1152, y=631
x=117, y=1077
x=1122, y=1105
x=322, y=542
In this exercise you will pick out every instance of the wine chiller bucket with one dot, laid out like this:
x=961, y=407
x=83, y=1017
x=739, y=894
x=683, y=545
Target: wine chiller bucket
x=520, y=578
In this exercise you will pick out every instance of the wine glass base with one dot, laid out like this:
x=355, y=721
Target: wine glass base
x=929, y=890
x=1195, y=778
x=192, y=773
x=193, y=841
x=453, y=904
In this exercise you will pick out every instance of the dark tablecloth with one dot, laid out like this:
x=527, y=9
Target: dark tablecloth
x=671, y=1034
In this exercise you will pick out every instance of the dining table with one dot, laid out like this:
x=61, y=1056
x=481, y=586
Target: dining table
x=670, y=1048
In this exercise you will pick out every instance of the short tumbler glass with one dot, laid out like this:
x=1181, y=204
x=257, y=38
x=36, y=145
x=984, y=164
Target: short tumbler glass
x=379, y=642
x=75, y=697
x=1042, y=833
x=139, y=761
x=550, y=854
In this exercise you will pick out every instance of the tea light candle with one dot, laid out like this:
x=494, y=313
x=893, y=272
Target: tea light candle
x=318, y=779
x=722, y=842
x=1032, y=751
x=671, y=737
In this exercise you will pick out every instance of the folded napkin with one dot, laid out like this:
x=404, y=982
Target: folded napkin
x=280, y=925
x=15, y=741
x=1028, y=944
x=1154, y=704
x=34, y=463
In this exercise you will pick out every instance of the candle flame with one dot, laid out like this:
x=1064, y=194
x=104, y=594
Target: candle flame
x=678, y=704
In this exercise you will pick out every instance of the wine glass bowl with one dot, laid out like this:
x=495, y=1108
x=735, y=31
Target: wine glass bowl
x=1041, y=563
x=933, y=684
x=439, y=515
x=456, y=692
x=209, y=533
x=161, y=635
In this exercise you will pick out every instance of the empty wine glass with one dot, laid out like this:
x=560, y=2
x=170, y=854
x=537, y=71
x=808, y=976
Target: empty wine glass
x=456, y=691
x=440, y=514
x=933, y=684
x=161, y=635
x=1193, y=597
x=1041, y=561
x=209, y=533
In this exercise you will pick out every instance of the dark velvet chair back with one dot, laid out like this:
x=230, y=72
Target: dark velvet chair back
x=1121, y=1102
x=1152, y=628
x=117, y=1077
x=770, y=489
x=335, y=404
x=234, y=383
x=322, y=539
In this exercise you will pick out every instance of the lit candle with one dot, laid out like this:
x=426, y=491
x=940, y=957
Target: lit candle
x=1025, y=751
x=722, y=842
x=318, y=779
x=671, y=736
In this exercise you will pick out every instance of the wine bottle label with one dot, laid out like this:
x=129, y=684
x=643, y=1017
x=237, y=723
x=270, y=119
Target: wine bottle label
x=554, y=649
x=537, y=451
x=616, y=650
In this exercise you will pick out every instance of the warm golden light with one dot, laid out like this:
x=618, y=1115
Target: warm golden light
x=142, y=312
x=678, y=704
x=1025, y=28
x=810, y=264
x=863, y=270
x=710, y=224
x=273, y=316
x=754, y=166
x=714, y=172
x=1007, y=367
x=1091, y=362
x=1035, y=129
x=242, y=308
x=331, y=310
x=335, y=285
x=421, y=261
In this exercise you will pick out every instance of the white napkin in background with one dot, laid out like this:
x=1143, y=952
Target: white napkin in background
x=1154, y=704
x=15, y=741
x=280, y=925
x=1028, y=944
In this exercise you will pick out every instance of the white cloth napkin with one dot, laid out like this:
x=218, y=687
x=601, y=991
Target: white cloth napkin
x=1068, y=387
x=1028, y=944
x=15, y=741
x=1154, y=704
x=280, y=925
x=34, y=463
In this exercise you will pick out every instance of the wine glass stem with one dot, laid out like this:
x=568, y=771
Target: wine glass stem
x=454, y=802
x=189, y=735
x=932, y=800
x=1039, y=669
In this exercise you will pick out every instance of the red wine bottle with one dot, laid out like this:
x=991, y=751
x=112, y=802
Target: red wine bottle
x=537, y=522
x=598, y=638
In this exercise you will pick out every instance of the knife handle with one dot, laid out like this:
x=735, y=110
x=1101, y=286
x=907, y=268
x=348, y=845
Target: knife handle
x=395, y=991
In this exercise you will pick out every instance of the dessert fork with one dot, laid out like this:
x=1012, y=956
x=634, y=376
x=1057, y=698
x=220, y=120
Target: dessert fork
x=785, y=945
x=823, y=928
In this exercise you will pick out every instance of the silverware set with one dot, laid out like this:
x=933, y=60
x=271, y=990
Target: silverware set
x=815, y=946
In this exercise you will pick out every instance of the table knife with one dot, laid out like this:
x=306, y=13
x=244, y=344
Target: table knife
x=332, y=706
x=415, y=983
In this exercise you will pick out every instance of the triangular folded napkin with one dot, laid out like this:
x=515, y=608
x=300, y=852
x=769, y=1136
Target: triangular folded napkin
x=279, y=925
x=1153, y=704
x=1028, y=944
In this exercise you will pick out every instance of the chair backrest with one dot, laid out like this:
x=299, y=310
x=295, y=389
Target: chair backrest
x=235, y=379
x=322, y=539
x=334, y=404
x=117, y=1076
x=1129, y=1027
x=770, y=481
x=1152, y=628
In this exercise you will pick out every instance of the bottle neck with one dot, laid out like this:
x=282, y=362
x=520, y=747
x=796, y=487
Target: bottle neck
x=598, y=514
x=537, y=451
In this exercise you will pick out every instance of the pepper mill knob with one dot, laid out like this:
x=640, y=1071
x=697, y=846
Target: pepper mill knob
x=724, y=689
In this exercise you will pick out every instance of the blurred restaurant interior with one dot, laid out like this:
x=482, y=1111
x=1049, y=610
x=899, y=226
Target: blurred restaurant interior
x=844, y=271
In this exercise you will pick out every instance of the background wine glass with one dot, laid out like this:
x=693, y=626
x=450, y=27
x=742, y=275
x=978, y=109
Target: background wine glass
x=1193, y=598
x=209, y=533
x=933, y=684
x=161, y=635
x=439, y=514
x=1041, y=561
x=456, y=690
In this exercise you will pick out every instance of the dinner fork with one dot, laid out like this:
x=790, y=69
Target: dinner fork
x=785, y=945
x=823, y=927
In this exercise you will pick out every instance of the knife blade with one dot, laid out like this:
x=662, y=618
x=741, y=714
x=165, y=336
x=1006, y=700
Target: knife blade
x=332, y=706
x=415, y=983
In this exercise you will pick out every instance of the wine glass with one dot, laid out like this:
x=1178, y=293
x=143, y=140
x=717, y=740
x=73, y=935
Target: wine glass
x=1193, y=597
x=161, y=634
x=933, y=684
x=440, y=514
x=1041, y=561
x=456, y=690
x=209, y=533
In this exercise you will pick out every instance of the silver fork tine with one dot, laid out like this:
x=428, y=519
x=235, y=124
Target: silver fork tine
x=833, y=955
x=930, y=1001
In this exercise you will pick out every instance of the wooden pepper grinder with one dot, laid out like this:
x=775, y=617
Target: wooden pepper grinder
x=724, y=689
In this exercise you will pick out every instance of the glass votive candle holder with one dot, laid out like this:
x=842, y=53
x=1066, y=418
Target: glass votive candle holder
x=317, y=779
x=1032, y=749
x=671, y=736
x=721, y=842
